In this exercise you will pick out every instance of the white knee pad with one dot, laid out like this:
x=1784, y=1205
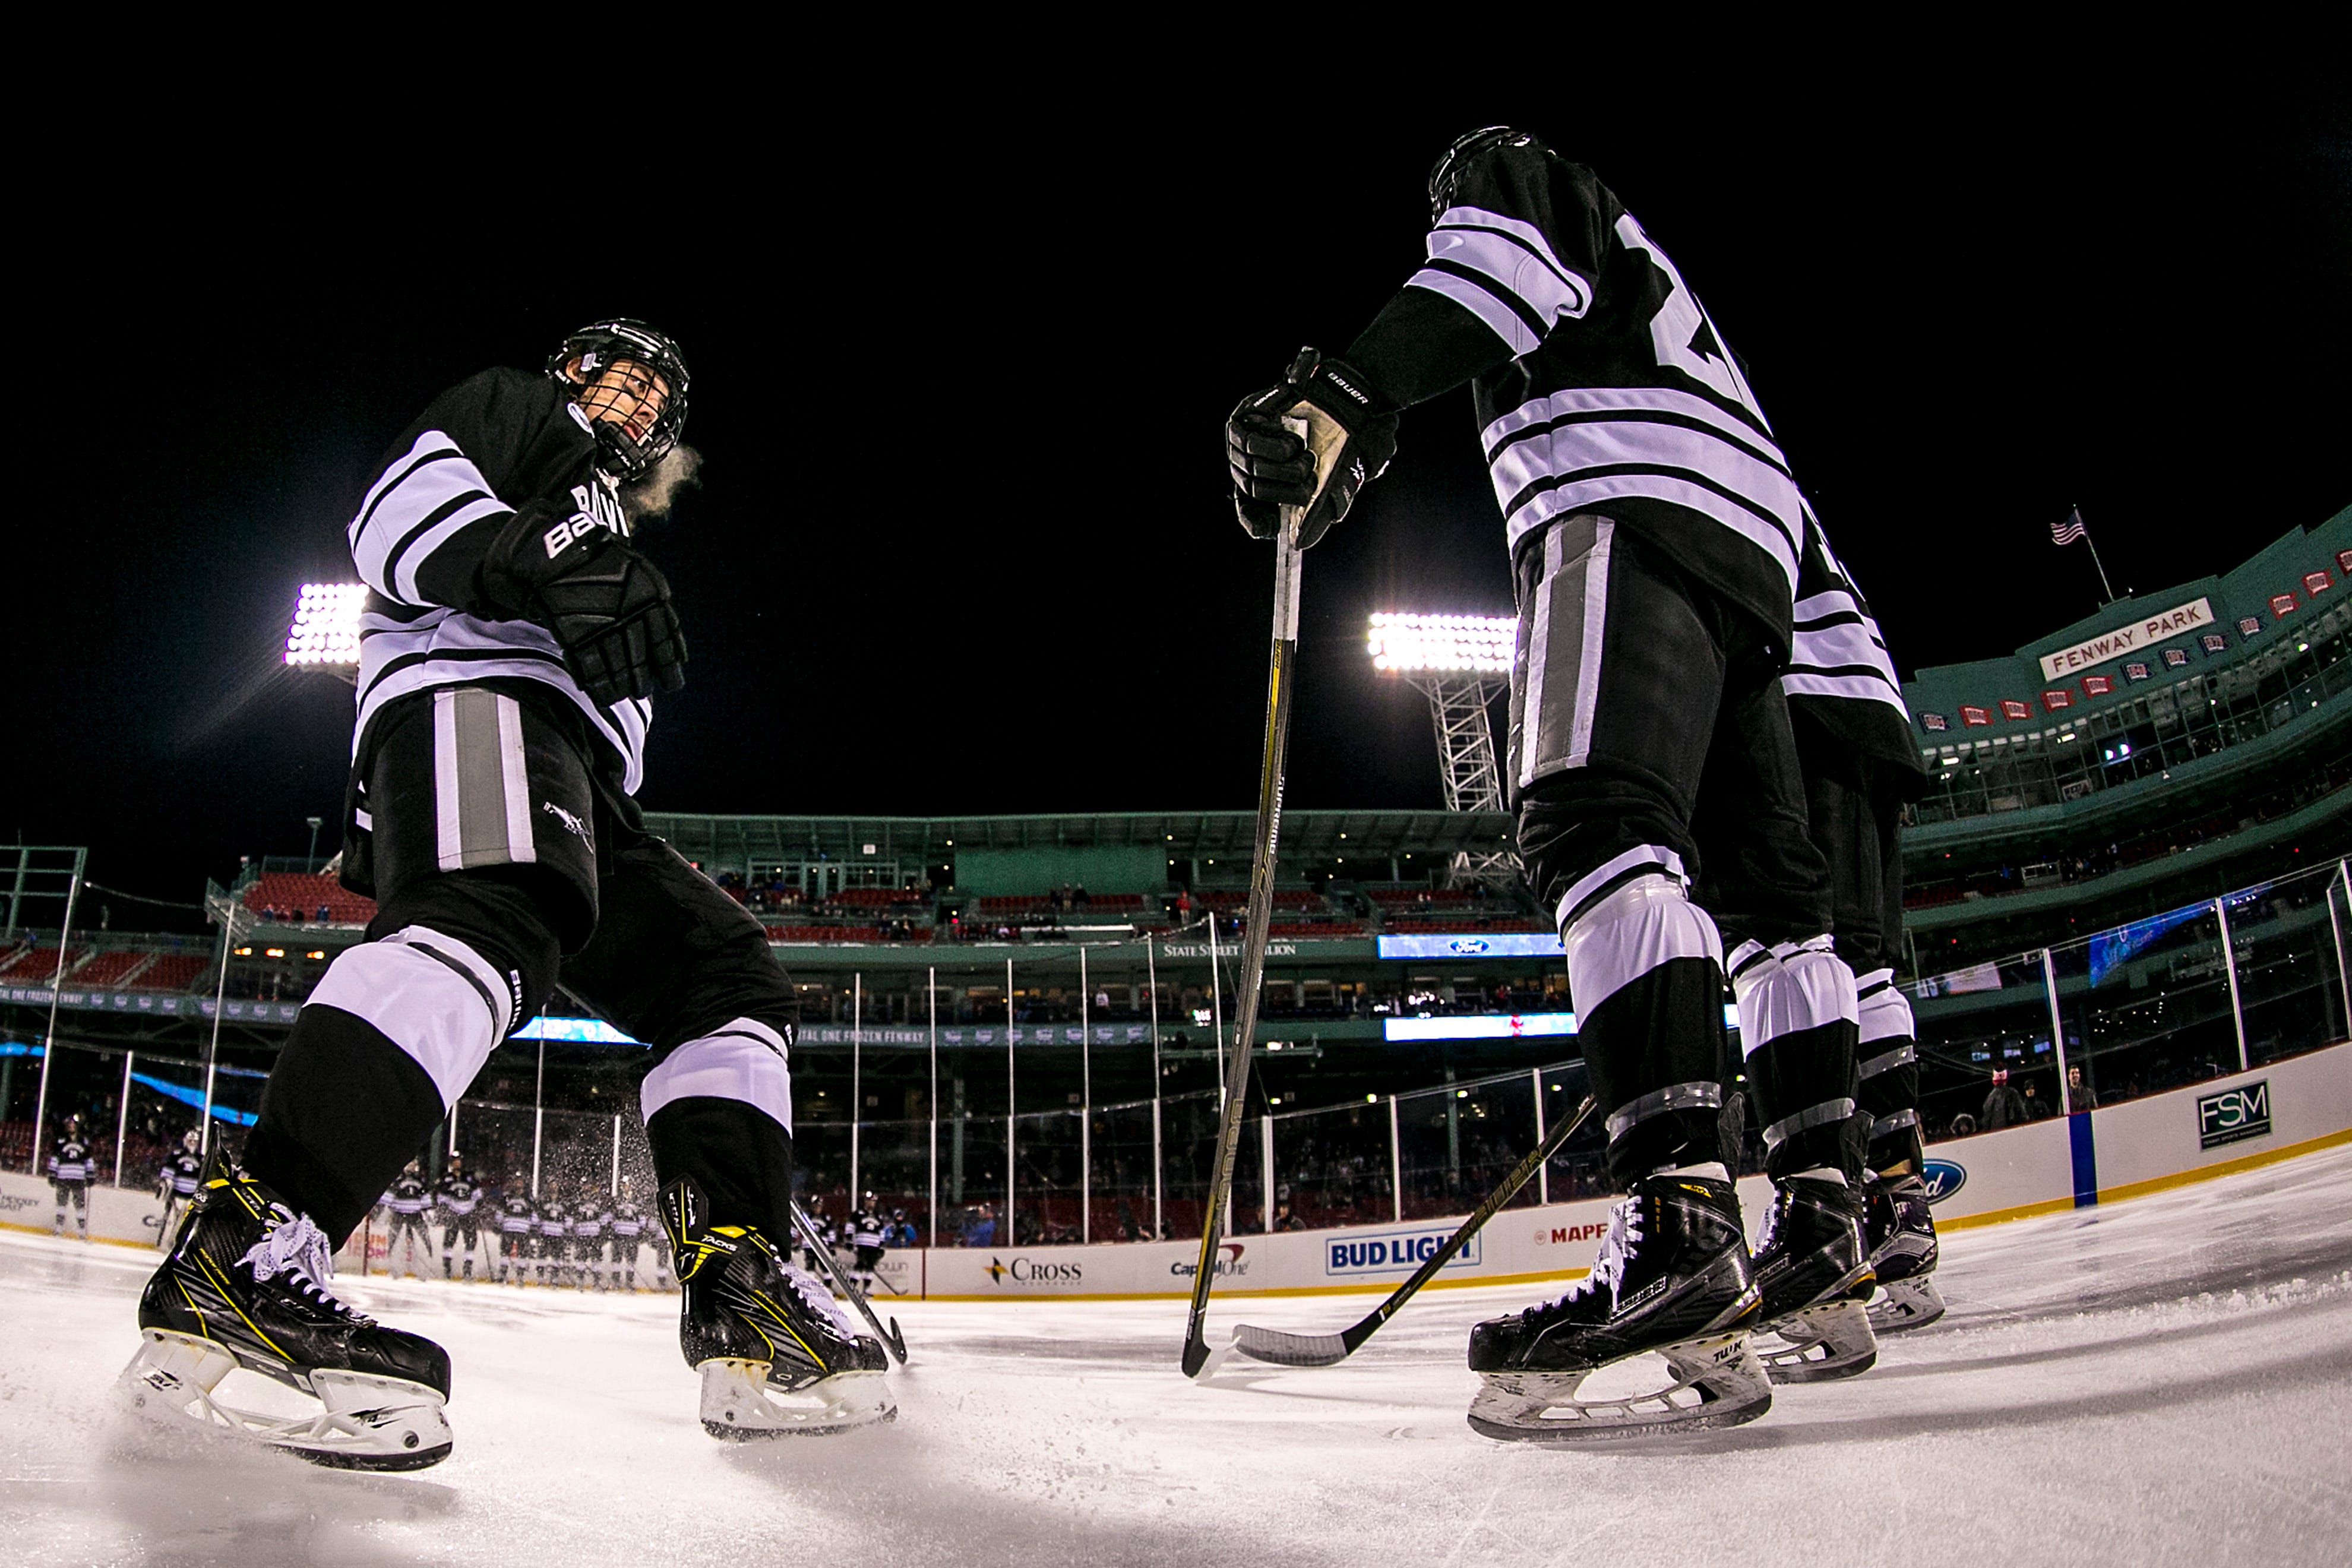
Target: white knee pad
x=1887, y=1015
x=430, y=994
x=1636, y=929
x=1790, y=987
x=742, y=1059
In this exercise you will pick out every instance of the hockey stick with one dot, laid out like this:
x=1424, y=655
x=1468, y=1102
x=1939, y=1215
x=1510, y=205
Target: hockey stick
x=848, y=1286
x=1281, y=667
x=1328, y=1350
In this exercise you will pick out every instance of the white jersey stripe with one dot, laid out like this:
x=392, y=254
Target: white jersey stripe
x=1644, y=444
x=417, y=553
x=1551, y=292
x=1590, y=494
x=1499, y=317
x=1628, y=399
x=1861, y=688
x=404, y=508
x=1526, y=234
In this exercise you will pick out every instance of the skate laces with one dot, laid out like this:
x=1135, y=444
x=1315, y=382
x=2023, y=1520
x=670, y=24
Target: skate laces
x=297, y=1249
x=818, y=1298
x=1616, y=1250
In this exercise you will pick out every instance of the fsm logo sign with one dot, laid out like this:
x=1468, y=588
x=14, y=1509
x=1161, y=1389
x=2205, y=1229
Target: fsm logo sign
x=1942, y=1178
x=2234, y=1115
x=1396, y=1252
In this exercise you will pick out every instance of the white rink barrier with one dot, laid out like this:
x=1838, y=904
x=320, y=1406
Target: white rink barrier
x=125, y=1217
x=2231, y=1123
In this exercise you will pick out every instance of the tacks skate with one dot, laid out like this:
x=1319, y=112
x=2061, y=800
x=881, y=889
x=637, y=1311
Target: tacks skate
x=244, y=1286
x=776, y=1355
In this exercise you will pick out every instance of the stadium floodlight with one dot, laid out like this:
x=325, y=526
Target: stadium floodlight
x=1401, y=644
x=1460, y=663
x=326, y=629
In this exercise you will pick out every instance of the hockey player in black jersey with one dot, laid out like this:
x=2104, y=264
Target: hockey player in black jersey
x=628, y=1235
x=457, y=1199
x=513, y=641
x=71, y=1168
x=518, y=1227
x=1654, y=529
x=590, y=1217
x=1853, y=740
x=406, y=1200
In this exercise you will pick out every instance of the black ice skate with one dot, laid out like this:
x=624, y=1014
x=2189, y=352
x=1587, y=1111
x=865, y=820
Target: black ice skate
x=1672, y=1277
x=244, y=1286
x=777, y=1356
x=1815, y=1274
x=1901, y=1235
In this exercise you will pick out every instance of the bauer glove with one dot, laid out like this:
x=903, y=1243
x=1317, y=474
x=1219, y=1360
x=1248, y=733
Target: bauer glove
x=607, y=605
x=1347, y=445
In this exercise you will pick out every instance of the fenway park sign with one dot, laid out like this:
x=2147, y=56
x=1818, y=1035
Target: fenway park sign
x=2128, y=639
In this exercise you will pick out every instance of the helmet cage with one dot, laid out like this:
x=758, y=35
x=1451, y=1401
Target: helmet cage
x=1447, y=173
x=595, y=348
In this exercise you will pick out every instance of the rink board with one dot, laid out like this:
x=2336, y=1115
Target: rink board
x=2099, y=1156
x=2189, y=1134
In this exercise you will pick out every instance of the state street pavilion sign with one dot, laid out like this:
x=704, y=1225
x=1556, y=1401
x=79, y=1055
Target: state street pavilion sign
x=2129, y=638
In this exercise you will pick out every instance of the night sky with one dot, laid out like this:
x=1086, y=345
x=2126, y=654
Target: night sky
x=964, y=542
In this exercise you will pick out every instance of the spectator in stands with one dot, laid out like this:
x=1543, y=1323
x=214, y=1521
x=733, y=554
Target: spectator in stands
x=2004, y=1107
x=2036, y=1108
x=2078, y=1093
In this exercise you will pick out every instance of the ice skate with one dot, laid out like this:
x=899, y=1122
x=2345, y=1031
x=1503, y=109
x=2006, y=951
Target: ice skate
x=777, y=1357
x=245, y=1287
x=1671, y=1278
x=1815, y=1274
x=1901, y=1234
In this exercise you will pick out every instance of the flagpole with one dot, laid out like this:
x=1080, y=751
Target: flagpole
x=2075, y=527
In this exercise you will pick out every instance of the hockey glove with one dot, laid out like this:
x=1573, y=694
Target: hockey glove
x=607, y=605
x=1347, y=445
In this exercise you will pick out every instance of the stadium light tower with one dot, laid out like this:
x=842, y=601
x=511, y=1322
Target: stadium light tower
x=326, y=627
x=1459, y=663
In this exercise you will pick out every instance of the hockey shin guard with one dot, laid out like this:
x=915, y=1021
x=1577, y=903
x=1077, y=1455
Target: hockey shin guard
x=1645, y=971
x=385, y=1044
x=1889, y=1074
x=1798, y=1030
x=719, y=1109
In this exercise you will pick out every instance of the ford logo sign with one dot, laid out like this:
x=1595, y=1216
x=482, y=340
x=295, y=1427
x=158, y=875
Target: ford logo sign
x=1943, y=1178
x=1468, y=944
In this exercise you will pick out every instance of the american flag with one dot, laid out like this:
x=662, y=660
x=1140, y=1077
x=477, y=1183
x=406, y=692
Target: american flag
x=2071, y=530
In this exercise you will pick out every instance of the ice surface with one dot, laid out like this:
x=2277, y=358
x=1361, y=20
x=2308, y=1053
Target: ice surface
x=2163, y=1380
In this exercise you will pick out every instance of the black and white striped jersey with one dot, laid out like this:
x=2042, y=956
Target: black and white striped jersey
x=1602, y=385
x=1839, y=669
x=501, y=442
x=408, y=1196
x=457, y=1196
x=70, y=1162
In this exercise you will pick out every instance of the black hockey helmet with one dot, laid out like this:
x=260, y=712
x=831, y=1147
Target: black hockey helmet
x=1447, y=173
x=593, y=348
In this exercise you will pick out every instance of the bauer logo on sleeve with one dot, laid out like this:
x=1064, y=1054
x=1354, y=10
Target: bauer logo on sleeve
x=2234, y=1115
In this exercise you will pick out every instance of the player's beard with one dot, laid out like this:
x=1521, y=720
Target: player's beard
x=652, y=493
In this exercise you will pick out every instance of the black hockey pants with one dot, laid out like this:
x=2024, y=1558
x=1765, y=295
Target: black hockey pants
x=1649, y=742
x=502, y=861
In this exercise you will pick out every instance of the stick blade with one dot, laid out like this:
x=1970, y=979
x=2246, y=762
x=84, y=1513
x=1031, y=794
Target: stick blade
x=1283, y=1348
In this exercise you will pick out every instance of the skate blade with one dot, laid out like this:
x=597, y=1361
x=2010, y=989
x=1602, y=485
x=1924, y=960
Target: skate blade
x=364, y=1422
x=1820, y=1345
x=1716, y=1382
x=1903, y=1305
x=740, y=1405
